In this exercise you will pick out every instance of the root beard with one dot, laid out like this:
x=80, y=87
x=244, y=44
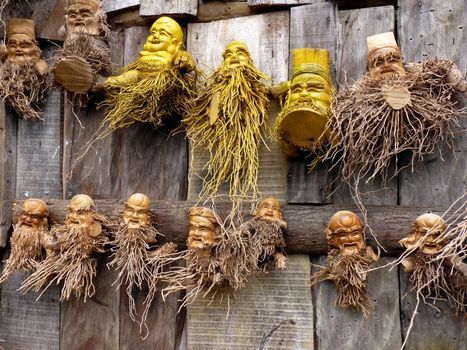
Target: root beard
x=24, y=89
x=349, y=274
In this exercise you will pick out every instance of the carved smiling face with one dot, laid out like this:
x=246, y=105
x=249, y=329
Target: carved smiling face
x=82, y=17
x=236, y=54
x=386, y=63
x=22, y=49
x=136, y=213
x=34, y=215
x=269, y=209
x=425, y=233
x=204, y=231
x=345, y=231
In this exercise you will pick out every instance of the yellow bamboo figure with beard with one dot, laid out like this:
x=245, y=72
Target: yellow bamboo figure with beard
x=227, y=119
x=302, y=123
x=161, y=82
x=27, y=239
x=135, y=254
x=349, y=260
x=72, y=248
x=25, y=79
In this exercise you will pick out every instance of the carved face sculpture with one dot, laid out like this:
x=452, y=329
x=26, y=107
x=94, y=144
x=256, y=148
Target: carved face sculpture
x=21, y=45
x=34, y=215
x=345, y=231
x=165, y=35
x=137, y=211
x=426, y=231
x=81, y=16
x=236, y=54
x=312, y=87
x=80, y=215
x=269, y=209
x=204, y=231
x=384, y=57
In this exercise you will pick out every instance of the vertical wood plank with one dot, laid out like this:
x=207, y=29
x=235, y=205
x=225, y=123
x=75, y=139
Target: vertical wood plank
x=433, y=29
x=24, y=322
x=93, y=325
x=149, y=161
x=273, y=311
x=355, y=27
x=113, y=5
x=338, y=328
x=206, y=42
x=312, y=26
x=430, y=29
x=266, y=3
x=168, y=7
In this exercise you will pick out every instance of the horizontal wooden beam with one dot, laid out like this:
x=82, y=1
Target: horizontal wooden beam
x=306, y=224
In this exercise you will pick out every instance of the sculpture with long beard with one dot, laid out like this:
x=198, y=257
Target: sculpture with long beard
x=133, y=255
x=432, y=276
x=73, y=247
x=228, y=119
x=160, y=83
x=26, y=240
x=86, y=53
x=391, y=110
x=349, y=260
x=25, y=79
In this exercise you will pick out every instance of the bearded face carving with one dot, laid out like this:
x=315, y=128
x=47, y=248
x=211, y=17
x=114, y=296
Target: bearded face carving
x=301, y=125
x=384, y=57
x=81, y=16
x=345, y=232
x=204, y=232
x=137, y=211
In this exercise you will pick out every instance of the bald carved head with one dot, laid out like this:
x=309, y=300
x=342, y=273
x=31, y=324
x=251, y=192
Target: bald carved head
x=345, y=231
x=137, y=212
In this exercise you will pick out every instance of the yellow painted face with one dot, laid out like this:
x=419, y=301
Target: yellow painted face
x=345, y=231
x=202, y=233
x=22, y=49
x=269, y=209
x=236, y=54
x=81, y=18
x=312, y=87
x=33, y=214
x=165, y=35
x=386, y=63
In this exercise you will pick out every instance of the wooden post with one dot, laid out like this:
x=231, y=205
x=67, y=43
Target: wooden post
x=168, y=7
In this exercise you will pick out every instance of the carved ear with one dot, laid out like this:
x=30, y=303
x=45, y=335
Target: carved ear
x=328, y=233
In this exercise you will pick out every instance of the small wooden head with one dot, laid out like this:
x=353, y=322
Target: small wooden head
x=236, y=54
x=34, y=214
x=137, y=211
x=269, y=209
x=204, y=229
x=345, y=232
x=384, y=57
x=80, y=215
x=21, y=45
x=81, y=16
x=426, y=232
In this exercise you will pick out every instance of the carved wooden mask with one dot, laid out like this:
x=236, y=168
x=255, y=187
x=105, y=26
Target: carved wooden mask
x=137, y=211
x=384, y=57
x=426, y=231
x=345, y=232
x=204, y=231
x=34, y=214
x=269, y=209
x=21, y=45
x=81, y=16
x=80, y=215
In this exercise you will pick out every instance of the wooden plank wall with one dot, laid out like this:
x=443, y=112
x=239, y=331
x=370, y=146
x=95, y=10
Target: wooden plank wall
x=276, y=311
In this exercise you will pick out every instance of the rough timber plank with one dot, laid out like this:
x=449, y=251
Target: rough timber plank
x=206, y=42
x=305, y=224
x=428, y=29
x=25, y=323
x=311, y=26
x=113, y=5
x=432, y=29
x=338, y=328
x=356, y=26
x=281, y=2
x=273, y=311
x=8, y=139
x=168, y=7
x=135, y=149
x=94, y=324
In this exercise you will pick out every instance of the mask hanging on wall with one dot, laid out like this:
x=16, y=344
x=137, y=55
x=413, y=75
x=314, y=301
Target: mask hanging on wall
x=85, y=56
x=306, y=109
x=349, y=259
x=25, y=79
x=227, y=119
x=135, y=255
x=160, y=83
x=431, y=278
x=27, y=238
x=391, y=110
x=73, y=246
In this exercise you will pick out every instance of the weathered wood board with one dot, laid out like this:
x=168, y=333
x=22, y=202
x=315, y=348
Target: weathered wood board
x=114, y=5
x=282, y=2
x=168, y=7
x=356, y=26
x=312, y=26
x=349, y=329
x=273, y=311
x=206, y=42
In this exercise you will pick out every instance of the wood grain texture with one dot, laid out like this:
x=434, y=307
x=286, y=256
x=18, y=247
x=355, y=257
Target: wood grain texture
x=430, y=29
x=168, y=7
x=206, y=42
x=312, y=26
x=434, y=328
x=356, y=26
x=217, y=10
x=113, y=5
x=282, y=2
x=348, y=329
x=273, y=311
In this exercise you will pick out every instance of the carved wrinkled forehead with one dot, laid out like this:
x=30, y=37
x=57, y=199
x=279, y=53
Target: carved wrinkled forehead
x=139, y=200
x=271, y=201
x=431, y=221
x=344, y=219
x=35, y=206
x=82, y=201
x=205, y=213
x=236, y=45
